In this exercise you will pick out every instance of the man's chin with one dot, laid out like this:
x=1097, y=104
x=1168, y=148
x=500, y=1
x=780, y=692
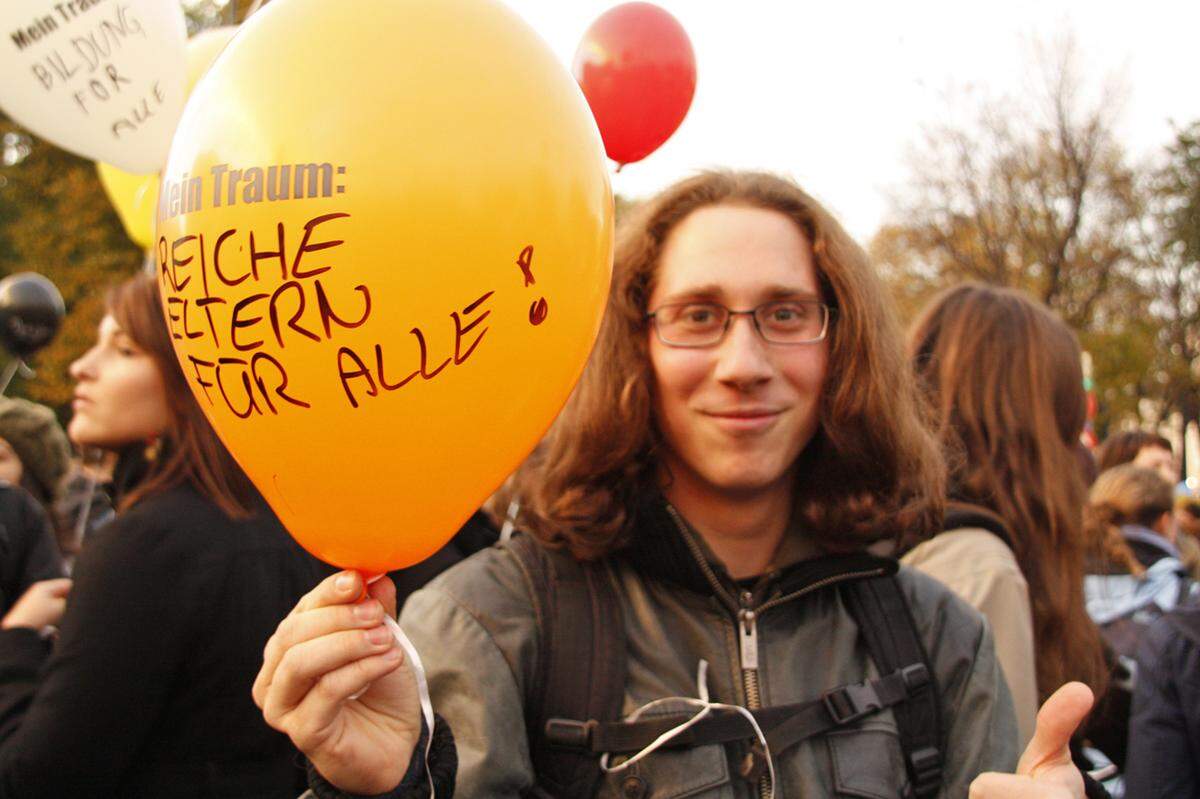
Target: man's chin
x=747, y=484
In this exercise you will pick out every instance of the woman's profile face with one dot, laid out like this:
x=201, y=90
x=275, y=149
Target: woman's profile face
x=120, y=397
x=738, y=413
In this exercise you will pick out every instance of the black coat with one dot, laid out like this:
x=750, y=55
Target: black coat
x=27, y=549
x=147, y=690
x=1164, y=731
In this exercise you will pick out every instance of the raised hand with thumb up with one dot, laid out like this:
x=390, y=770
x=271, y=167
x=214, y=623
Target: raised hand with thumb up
x=1045, y=770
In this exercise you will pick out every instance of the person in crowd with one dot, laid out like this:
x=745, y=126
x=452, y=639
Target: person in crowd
x=1148, y=450
x=35, y=455
x=146, y=691
x=1152, y=451
x=1164, y=728
x=1137, y=577
x=34, y=451
x=85, y=504
x=1003, y=377
x=28, y=553
x=745, y=428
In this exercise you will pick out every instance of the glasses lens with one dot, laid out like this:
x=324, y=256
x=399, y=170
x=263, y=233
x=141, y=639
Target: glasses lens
x=691, y=324
x=791, y=321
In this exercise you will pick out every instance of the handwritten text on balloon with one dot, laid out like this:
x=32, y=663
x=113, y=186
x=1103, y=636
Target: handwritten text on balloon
x=206, y=275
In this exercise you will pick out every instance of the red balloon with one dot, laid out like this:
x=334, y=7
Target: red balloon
x=637, y=69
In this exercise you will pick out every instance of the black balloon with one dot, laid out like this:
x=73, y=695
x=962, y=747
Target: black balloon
x=31, y=311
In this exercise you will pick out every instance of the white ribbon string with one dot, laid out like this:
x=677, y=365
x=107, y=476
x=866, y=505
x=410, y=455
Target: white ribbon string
x=418, y=670
x=704, y=709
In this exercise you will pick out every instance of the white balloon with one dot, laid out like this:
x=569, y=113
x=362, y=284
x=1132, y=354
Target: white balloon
x=104, y=79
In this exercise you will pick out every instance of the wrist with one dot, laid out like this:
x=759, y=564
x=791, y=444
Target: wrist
x=323, y=788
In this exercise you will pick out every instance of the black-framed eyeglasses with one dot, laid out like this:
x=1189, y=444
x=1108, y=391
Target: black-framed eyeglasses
x=704, y=324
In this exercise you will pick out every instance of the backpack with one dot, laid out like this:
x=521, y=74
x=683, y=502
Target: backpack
x=574, y=713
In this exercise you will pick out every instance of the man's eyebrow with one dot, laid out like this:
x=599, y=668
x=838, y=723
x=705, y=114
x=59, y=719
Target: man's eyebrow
x=713, y=290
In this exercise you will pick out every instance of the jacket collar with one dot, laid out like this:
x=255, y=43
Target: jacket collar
x=1148, y=546
x=659, y=548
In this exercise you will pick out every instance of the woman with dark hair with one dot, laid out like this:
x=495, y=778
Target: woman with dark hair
x=145, y=692
x=1004, y=380
x=745, y=428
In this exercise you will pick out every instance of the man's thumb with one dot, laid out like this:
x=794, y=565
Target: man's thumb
x=1056, y=723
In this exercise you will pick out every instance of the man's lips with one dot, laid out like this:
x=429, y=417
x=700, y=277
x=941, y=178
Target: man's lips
x=744, y=419
x=744, y=413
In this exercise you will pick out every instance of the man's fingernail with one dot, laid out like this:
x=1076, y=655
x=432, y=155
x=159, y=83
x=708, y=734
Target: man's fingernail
x=344, y=583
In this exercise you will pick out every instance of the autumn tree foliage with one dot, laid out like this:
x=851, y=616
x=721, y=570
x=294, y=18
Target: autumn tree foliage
x=1174, y=247
x=1038, y=193
x=56, y=220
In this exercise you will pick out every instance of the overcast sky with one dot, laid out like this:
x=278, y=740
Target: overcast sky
x=832, y=93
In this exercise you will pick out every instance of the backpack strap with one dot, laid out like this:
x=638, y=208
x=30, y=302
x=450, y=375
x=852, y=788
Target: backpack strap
x=967, y=514
x=784, y=726
x=580, y=670
x=890, y=633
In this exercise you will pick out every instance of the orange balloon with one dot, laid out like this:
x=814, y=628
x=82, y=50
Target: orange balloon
x=384, y=249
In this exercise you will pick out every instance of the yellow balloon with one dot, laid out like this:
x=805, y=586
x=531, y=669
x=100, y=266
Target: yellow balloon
x=384, y=250
x=202, y=51
x=135, y=196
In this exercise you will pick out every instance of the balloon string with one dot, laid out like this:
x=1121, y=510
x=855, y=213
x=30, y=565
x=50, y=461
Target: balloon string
x=418, y=669
x=704, y=707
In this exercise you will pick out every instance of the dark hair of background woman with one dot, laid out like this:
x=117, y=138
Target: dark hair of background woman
x=1003, y=375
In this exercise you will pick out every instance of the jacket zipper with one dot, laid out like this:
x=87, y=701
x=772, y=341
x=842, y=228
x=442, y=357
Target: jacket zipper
x=746, y=616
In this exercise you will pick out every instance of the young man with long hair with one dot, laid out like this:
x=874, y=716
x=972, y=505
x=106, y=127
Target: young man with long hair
x=746, y=427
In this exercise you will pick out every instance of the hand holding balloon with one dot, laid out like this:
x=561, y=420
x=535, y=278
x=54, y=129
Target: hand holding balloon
x=336, y=682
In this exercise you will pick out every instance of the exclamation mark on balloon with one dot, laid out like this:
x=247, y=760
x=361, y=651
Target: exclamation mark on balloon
x=537, y=308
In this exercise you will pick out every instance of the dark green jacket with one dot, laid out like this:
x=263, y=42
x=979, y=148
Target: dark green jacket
x=477, y=635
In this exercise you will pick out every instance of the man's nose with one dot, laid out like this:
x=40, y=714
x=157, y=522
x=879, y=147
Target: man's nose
x=743, y=357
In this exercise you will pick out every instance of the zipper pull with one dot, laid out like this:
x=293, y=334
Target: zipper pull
x=748, y=640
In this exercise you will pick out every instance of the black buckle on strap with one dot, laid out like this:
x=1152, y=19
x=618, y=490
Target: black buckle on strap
x=569, y=734
x=926, y=770
x=915, y=676
x=851, y=702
